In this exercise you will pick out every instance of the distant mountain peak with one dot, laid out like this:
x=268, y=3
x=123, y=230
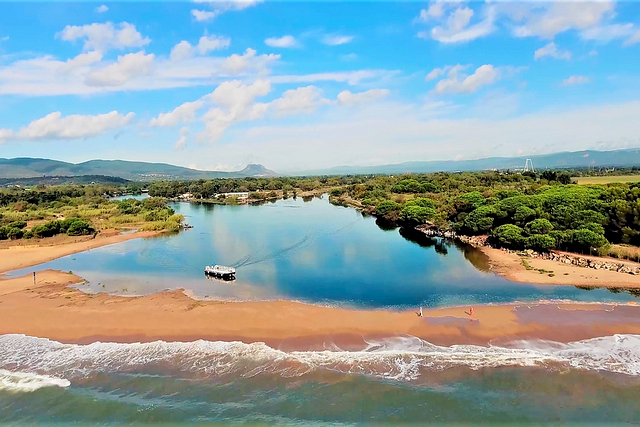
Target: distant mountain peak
x=257, y=170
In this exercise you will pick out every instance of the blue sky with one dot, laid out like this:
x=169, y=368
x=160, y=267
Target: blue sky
x=305, y=85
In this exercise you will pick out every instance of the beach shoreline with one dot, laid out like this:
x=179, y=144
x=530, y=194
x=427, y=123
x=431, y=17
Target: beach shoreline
x=23, y=256
x=68, y=315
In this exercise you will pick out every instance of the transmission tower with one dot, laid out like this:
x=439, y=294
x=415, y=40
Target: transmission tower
x=528, y=166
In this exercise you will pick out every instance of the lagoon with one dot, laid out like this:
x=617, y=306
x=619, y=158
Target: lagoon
x=306, y=250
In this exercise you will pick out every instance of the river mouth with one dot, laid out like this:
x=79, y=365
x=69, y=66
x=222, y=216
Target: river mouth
x=309, y=251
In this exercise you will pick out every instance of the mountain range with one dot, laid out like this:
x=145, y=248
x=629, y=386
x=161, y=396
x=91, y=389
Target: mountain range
x=133, y=171
x=142, y=171
x=575, y=159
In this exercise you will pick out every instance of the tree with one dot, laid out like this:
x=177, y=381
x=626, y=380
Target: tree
x=540, y=242
x=386, y=206
x=508, y=235
x=539, y=226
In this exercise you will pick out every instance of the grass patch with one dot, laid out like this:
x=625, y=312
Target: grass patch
x=607, y=179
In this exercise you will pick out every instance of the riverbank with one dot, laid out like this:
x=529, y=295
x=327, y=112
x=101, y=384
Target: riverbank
x=69, y=315
x=525, y=269
x=19, y=256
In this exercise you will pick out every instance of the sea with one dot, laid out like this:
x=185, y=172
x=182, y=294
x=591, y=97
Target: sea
x=308, y=250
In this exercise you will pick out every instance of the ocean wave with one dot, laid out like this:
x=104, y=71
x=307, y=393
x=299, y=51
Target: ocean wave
x=403, y=358
x=28, y=382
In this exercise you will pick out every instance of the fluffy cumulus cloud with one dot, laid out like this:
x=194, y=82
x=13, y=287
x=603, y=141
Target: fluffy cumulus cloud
x=552, y=51
x=576, y=80
x=348, y=99
x=102, y=9
x=336, y=39
x=300, y=100
x=458, y=82
x=284, y=41
x=54, y=126
x=457, y=27
x=182, y=141
x=217, y=7
x=127, y=67
x=546, y=20
x=235, y=102
x=206, y=44
x=184, y=113
x=105, y=36
x=249, y=60
x=81, y=60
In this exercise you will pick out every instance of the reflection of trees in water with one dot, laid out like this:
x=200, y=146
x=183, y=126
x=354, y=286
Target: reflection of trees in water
x=307, y=198
x=386, y=225
x=475, y=256
x=417, y=237
x=614, y=290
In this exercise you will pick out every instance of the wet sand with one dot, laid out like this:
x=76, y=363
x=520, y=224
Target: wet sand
x=45, y=250
x=509, y=265
x=51, y=309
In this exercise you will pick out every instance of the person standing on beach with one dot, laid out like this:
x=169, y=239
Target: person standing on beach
x=34, y=277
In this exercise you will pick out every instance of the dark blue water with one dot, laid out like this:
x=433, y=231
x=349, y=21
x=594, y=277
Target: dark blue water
x=309, y=251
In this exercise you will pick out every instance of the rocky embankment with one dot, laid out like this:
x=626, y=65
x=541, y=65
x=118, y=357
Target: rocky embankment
x=577, y=260
x=433, y=231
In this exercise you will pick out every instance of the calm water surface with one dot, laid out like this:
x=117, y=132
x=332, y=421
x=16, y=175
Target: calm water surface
x=309, y=251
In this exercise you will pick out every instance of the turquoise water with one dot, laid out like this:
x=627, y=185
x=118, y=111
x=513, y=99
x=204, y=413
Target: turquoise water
x=309, y=251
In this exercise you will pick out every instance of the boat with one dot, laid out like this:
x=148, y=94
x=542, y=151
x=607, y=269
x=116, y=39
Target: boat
x=186, y=225
x=220, y=271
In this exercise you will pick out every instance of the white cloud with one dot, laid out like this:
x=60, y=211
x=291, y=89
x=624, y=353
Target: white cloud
x=235, y=103
x=184, y=50
x=105, y=36
x=457, y=29
x=207, y=44
x=102, y=9
x=184, y=113
x=576, y=80
x=551, y=50
x=54, y=126
x=202, y=15
x=4, y=39
x=546, y=20
x=348, y=99
x=635, y=38
x=437, y=72
x=237, y=64
x=182, y=141
x=220, y=6
x=457, y=82
x=127, y=67
x=284, y=41
x=181, y=51
x=435, y=11
x=350, y=77
x=336, y=39
x=300, y=100
x=81, y=60
x=607, y=33
x=5, y=134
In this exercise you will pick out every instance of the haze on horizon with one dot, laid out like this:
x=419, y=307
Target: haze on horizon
x=303, y=85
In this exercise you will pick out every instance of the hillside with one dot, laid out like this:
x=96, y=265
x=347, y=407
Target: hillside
x=134, y=171
x=577, y=159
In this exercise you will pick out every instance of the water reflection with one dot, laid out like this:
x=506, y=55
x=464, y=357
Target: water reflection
x=310, y=251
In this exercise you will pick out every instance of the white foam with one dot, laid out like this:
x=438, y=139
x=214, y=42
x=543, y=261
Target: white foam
x=401, y=358
x=28, y=382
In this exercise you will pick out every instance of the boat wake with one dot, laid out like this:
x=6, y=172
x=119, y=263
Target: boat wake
x=28, y=363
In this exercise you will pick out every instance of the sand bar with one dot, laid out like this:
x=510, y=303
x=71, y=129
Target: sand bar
x=51, y=309
x=17, y=257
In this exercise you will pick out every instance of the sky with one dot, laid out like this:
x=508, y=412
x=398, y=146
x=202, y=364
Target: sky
x=297, y=86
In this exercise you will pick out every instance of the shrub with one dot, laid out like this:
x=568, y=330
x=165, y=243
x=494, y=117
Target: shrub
x=14, y=233
x=416, y=213
x=79, y=227
x=337, y=192
x=17, y=224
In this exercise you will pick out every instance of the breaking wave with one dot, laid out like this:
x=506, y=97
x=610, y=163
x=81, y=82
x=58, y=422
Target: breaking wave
x=400, y=358
x=28, y=382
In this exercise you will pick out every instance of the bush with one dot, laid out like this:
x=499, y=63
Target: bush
x=79, y=227
x=14, y=233
x=17, y=224
x=416, y=213
x=337, y=192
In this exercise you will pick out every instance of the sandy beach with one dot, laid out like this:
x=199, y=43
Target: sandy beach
x=69, y=315
x=20, y=256
x=510, y=265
